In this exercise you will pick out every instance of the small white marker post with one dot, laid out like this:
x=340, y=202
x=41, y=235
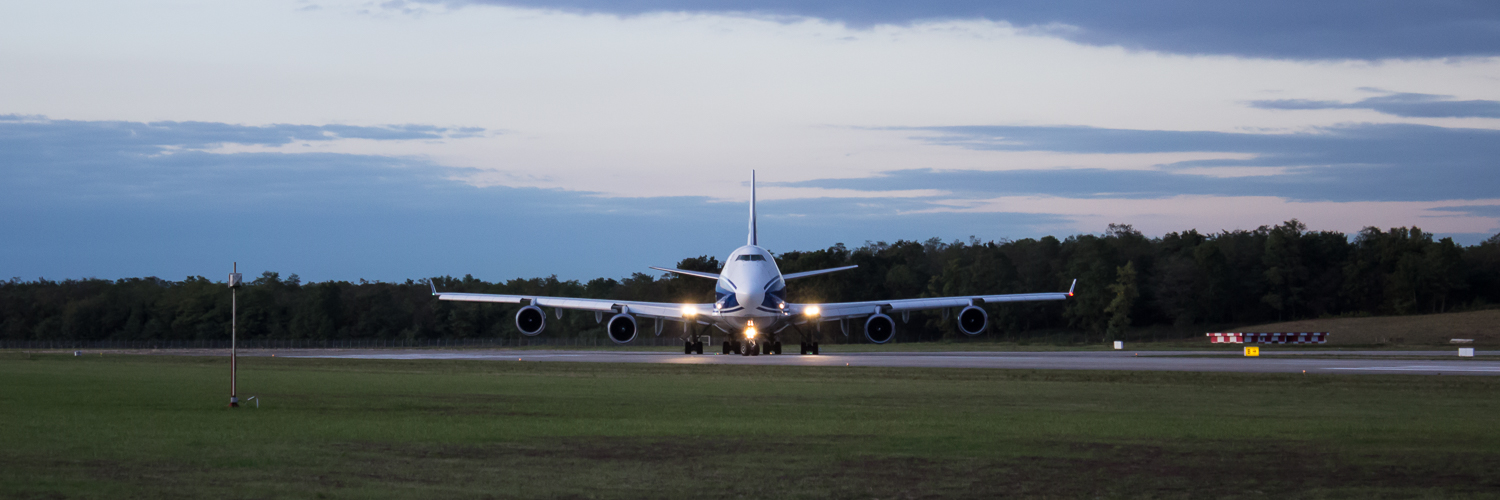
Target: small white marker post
x=1119, y=344
x=1466, y=352
x=234, y=286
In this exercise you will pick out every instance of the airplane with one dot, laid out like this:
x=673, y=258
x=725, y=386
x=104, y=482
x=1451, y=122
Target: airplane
x=750, y=305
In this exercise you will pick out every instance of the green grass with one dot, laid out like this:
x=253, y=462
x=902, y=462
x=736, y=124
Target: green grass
x=156, y=427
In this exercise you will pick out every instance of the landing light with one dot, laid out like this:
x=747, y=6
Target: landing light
x=689, y=311
x=750, y=332
x=812, y=311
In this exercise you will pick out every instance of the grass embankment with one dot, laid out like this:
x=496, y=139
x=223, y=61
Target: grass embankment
x=1425, y=330
x=148, y=426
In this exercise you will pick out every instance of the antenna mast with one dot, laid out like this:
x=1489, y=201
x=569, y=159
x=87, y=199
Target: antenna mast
x=753, y=239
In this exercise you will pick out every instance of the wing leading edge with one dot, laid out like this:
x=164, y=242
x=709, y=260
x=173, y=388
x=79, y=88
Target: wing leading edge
x=805, y=274
x=685, y=272
x=648, y=309
x=858, y=309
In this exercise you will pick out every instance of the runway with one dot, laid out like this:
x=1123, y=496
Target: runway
x=1339, y=362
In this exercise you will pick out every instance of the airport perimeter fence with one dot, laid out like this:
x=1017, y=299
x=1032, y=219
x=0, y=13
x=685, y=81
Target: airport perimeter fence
x=662, y=341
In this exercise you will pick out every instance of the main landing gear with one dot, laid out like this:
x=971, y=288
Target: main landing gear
x=737, y=347
x=747, y=346
x=807, y=347
x=767, y=348
x=756, y=349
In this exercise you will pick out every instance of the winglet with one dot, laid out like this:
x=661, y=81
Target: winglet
x=1071, y=287
x=434, y=286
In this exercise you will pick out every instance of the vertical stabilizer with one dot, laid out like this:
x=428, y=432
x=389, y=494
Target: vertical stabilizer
x=752, y=209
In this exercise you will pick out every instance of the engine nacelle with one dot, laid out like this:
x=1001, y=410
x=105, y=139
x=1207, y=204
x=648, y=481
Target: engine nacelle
x=530, y=320
x=622, y=328
x=972, y=320
x=880, y=328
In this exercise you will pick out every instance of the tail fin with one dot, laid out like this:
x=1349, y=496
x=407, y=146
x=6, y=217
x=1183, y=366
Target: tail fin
x=752, y=209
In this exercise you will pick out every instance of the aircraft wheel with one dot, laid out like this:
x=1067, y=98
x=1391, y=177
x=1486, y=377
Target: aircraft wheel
x=815, y=348
x=778, y=348
x=804, y=348
x=687, y=347
x=698, y=347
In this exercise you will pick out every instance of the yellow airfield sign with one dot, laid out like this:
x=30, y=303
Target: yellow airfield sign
x=1252, y=351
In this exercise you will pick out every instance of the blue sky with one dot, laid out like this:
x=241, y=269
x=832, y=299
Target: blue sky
x=406, y=139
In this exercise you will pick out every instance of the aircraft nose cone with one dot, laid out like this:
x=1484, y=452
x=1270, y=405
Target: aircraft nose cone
x=749, y=298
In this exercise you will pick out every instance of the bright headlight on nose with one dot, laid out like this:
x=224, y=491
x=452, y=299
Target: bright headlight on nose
x=750, y=332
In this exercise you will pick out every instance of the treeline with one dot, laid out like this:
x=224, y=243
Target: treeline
x=1127, y=283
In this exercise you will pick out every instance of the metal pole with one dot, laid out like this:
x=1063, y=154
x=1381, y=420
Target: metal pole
x=234, y=285
x=234, y=399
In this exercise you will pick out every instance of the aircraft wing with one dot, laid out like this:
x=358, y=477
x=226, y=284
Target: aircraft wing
x=858, y=309
x=684, y=272
x=805, y=274
x=663, y=310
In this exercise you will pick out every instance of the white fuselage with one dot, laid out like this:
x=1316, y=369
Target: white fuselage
x=750, y=289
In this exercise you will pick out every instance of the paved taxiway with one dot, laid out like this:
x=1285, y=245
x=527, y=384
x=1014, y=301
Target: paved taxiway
x=1320, y=361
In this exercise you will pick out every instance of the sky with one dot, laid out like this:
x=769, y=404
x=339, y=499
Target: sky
x=347, y=140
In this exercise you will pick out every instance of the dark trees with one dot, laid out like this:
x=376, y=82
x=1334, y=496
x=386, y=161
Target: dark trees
x=1124, y=280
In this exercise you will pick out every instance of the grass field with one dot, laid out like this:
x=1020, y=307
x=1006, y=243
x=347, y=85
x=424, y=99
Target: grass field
x=156, y=427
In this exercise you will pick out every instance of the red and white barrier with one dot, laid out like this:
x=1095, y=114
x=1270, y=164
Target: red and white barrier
x=1268, y=338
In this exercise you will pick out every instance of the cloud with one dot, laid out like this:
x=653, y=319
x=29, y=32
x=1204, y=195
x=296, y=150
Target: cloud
x=104, y=159
x=143, y=137
x=1214, y=213
x=1366, y=162
x=1479, y=210
x=115, y=199
x=1408, y=105
x=1283, y=29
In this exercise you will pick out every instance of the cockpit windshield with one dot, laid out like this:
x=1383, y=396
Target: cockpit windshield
x=751, y=256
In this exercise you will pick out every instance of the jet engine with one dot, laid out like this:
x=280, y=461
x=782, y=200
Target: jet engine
x=531, y=320
x=880, y=328
x=972, y=320
x=622, y=328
